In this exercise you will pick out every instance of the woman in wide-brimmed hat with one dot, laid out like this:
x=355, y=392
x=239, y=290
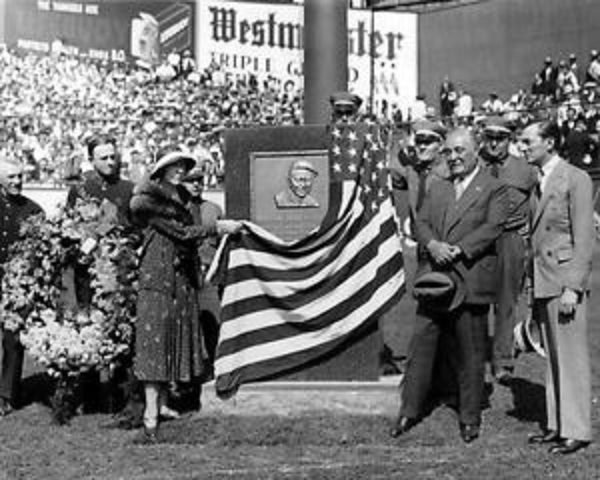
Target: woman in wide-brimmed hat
x=169, y=344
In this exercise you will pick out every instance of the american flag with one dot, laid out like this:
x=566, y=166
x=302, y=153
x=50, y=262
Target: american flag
x=288, y=303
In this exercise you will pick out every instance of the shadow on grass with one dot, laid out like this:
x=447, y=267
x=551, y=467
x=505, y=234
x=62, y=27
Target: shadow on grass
x=529, y=401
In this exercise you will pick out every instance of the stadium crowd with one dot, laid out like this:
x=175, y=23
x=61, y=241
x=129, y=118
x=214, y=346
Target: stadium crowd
x=50, y=112
x=53, y=104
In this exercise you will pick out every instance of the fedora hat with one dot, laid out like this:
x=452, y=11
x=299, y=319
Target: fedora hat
x=170, y=155
x=440, y=289
x=528, y=337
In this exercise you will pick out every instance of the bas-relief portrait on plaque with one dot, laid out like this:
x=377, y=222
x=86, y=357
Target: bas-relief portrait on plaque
x=289, y=191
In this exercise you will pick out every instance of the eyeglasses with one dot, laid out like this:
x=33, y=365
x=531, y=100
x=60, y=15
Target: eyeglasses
x=108, y=157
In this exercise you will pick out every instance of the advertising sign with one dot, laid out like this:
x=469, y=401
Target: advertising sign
x=101, y=30
x=267, y=41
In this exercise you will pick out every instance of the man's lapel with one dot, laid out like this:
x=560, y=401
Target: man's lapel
x=555, y=179
x=457, y=208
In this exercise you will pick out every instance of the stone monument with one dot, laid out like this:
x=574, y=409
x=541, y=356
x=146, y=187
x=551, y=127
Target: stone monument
x=278, y=177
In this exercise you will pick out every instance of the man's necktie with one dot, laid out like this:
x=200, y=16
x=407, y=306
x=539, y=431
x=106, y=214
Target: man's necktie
x=494, y=169
x=539, y=184
x=458, y=188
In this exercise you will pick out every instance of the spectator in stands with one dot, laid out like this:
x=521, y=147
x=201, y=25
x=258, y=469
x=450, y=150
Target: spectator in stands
x=578, y=146
x=493, y=105
x=592, y=72
x=548, y=76
x=464, y=107
x=448, y=98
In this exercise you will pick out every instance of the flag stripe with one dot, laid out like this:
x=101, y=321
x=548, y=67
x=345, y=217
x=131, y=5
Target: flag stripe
x=258, y=278
x=322, y=314
x=227, y=383
x=302, y=266
x=258, y=294
x=306, y=340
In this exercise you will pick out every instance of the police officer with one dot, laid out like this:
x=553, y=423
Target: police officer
x=520, y=179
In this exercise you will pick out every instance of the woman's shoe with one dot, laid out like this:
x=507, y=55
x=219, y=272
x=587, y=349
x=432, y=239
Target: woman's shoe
x=167, y=413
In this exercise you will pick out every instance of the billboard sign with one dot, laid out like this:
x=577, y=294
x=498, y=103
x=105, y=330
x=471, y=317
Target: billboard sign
x=101, y=30
x=267, y=41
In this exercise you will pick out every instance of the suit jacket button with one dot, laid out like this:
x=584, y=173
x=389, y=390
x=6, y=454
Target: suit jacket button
x=549, y=253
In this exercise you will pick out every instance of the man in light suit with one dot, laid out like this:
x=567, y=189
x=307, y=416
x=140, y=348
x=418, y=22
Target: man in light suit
x=562, y=238
x=457, y=228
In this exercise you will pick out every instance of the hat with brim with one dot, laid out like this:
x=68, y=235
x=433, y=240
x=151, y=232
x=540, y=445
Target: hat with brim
x=527, y=337
x=345, y=99
x=497, y=126
x=440, y=289
x=429, y=128
x=171, y=158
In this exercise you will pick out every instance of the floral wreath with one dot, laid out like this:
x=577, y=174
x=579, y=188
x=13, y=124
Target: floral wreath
x=67, y=339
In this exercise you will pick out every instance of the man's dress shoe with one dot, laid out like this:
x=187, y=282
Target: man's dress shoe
x=403, y=425
x=567, y=446
x=469, y=432
x=549, y=436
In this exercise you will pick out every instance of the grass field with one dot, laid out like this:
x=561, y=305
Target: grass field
x=312, y=434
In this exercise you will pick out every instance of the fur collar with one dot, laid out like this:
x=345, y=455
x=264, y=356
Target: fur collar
x=152, y=198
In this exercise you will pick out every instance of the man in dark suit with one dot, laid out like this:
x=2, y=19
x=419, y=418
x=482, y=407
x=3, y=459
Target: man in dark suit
x=520, y=179
x=14, y=209
x=562, y=242
x=457, y=229
x=105, y=184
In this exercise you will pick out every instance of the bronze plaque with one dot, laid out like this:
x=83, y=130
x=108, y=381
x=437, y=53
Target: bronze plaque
x=289, y=191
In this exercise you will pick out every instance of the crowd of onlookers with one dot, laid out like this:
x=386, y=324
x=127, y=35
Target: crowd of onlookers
x=51, y=104
x=564, y=90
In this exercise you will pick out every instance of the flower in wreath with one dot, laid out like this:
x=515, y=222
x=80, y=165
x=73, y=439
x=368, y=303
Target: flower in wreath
x=67, y=340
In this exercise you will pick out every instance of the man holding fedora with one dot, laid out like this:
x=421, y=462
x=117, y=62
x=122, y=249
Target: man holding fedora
x=562, y=242
x=457, y=228
x=520, y=180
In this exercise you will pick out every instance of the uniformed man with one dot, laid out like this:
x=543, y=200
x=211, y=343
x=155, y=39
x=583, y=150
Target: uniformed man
x=14, y=209
x=520, y=179
x=416, y=174
x=344, y=107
